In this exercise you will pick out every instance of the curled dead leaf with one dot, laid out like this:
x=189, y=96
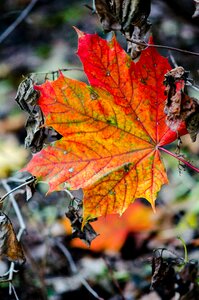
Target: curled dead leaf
x=9, y=245
x=179, y=106
x=130, y=17
x=26, y=95
x=75, y=215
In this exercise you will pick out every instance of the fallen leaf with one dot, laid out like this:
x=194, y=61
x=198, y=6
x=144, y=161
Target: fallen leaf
x=111, y=130
x=114, y=229
x=9, y=245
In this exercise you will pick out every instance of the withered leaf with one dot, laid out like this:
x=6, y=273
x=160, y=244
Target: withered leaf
x=130, y=17
x=171, y=275
x=9, y=245
x=108, y=14
x=192, y=121
x=87, y=233
x=163, y=276
x=37, y=134
x=30, y=187
x=26, y=94
x=180, y=107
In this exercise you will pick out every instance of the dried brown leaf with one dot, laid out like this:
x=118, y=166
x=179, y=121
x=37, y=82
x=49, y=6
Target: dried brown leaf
x=9, y=245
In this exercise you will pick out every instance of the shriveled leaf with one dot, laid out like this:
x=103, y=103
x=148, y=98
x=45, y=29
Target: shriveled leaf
x=163, y=276
x=173, y=274
x=128, y=17
x=26, y=95
x=9, y=245
x=111, y=130
x=37, y=134
x=30, y=187
x=107, y=16
x=87, y=233
x=180, y=107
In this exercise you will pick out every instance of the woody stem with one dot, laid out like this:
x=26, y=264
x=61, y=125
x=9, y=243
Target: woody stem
x=180, y=159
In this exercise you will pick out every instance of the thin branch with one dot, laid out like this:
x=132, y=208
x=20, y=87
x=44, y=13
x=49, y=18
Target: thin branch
x=14, y=291
x=196, y=88
x=188, y=83
x=22, y=226
x=74, y=268
x=180, y=159
x=162, y=47
x=90, y=8
x=20, y=18
x=16, y=208
x=32, y=179
x=114, y=280
x=57, y=71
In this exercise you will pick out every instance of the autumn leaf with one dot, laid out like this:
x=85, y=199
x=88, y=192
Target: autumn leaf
x=111, y=129
x=113, y=229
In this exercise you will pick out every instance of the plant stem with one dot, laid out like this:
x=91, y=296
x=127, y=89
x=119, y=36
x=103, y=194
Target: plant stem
x=180, y=159
x=163, y=47
x=20, y=18
x=32, y=179
x=185, y=250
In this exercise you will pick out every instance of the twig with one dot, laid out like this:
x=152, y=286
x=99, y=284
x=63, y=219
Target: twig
x=20, y=18
x=32, y=179
x=162, y=47
x=56, y=71
x=180, y=159
x=90, y=8
x=70, y=195
x=16, y=208
x=188, y=83
x=74, y=268
x=114, y=280
x=14, y=291
x=196, y=88
x=22, y=226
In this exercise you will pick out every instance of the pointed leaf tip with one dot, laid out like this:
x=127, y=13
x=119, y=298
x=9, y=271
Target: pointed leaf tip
x=79, y=32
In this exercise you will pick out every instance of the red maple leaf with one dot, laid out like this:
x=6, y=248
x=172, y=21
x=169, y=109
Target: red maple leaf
x=112, y=130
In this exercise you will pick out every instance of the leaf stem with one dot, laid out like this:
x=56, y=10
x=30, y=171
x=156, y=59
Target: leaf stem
x=180, y=159
x=162, y=46
x=185, y=250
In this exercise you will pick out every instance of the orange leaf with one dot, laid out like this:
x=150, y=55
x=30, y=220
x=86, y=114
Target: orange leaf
x=114, y=229
x=111, y=130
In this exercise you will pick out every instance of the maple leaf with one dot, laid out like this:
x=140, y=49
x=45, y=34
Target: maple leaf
x=111, y=130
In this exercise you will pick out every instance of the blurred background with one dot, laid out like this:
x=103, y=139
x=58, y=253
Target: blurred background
x=117, y=265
